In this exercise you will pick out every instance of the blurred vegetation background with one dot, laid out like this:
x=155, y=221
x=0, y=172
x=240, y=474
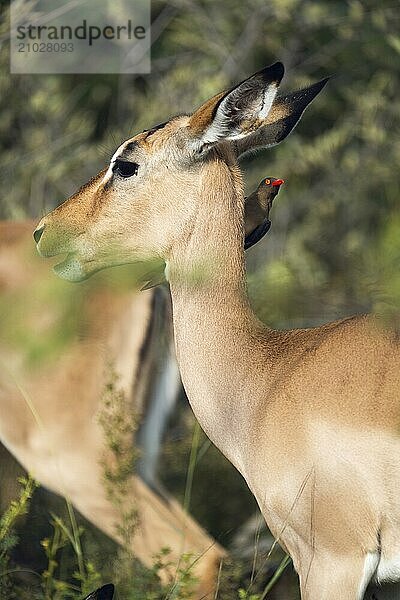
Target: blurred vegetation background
x=331, y=227
x=334, y=246
x=327, y=253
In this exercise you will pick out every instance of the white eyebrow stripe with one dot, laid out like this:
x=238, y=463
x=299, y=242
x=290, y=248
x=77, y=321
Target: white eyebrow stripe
x=114, y=157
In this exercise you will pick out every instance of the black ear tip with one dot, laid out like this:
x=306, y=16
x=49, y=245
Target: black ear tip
x=274, y=72
x=319, y=85
x=324, y=81
x=106, y=592
x=308, y=94
x=278, y=68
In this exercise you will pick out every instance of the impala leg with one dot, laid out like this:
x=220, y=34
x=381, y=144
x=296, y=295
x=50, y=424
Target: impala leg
x=333, y=577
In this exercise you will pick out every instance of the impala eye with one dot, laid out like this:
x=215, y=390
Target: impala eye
x=125, y=168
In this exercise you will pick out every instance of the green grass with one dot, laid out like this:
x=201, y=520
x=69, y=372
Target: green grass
x=72, y=569
x=73, y=562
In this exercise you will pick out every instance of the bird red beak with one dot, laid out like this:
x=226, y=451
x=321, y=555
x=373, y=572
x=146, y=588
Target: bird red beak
x=278, y=182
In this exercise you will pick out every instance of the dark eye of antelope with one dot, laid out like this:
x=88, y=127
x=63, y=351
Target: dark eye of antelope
x=125, y=168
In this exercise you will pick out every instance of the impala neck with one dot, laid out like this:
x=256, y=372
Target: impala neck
x=213, y=322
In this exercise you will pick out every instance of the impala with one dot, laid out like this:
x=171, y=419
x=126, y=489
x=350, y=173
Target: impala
x=50, y=414
x=49, y=411
x=310, y=417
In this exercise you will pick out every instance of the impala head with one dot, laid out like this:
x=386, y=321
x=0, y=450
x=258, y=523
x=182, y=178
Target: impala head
x=139, y=207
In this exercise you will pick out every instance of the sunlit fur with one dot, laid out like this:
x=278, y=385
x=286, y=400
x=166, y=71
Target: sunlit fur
x=49, y=414
x=309, y=417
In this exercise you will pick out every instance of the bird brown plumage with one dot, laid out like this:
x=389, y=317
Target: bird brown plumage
x=257, y=208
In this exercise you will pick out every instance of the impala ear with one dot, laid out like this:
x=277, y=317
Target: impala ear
x=283, y=117
x=104, y=593
x=235, y=114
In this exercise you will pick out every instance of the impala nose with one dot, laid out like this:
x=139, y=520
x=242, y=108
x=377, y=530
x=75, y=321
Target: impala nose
x=37, y=234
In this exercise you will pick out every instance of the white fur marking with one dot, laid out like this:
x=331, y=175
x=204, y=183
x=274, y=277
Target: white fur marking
x=118, y=151
x=370, y=566
x=221, y=127
x=166, y=271
x=388, y=569
x=162, y=402
x=269, y=97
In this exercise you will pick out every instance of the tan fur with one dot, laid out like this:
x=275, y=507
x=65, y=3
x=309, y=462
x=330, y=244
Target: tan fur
x=278, y=111
x=61, y=442
x=202, y=117
x=309, y=417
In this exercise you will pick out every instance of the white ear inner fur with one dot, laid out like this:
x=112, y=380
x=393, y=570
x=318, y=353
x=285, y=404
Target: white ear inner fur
x=221, y=127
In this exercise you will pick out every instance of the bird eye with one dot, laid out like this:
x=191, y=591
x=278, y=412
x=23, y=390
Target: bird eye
x=125, y=168
x=267, y=181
